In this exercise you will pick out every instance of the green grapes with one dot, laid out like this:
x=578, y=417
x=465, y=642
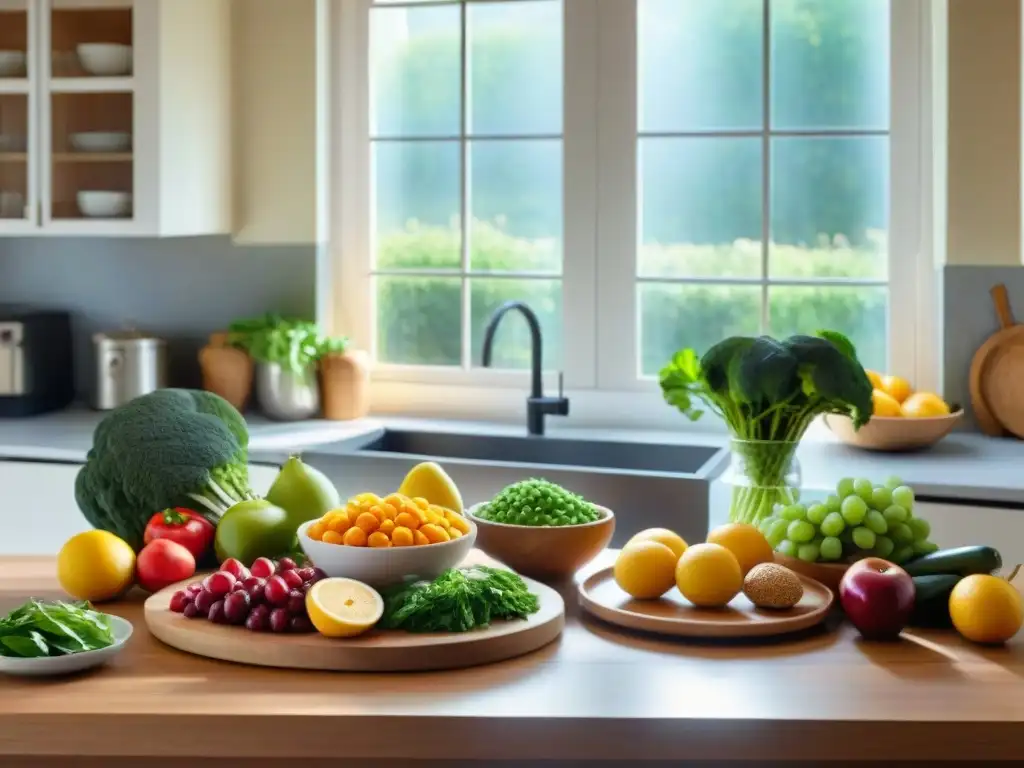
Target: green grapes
x=920, y=527
x=876, y=522
x=816, y=513
x=860, y=518
x=831, y=548
x=800, y=531
x=854, y=510
x=833, y=524
x=864, y=537
x=894, y=514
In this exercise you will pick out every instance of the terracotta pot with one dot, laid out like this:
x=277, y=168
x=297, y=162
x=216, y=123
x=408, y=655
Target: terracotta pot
x=345, y=386
x=227, y=372
x=219, y=339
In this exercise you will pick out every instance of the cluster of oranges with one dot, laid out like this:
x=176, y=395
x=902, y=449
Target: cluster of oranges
x=368, y=520
x=895, y=397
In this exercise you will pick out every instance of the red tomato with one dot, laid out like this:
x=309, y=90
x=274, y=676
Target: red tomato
x=161, y=563
x=183, y=526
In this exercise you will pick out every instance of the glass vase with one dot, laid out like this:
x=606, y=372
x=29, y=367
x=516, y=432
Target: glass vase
x=762, y=473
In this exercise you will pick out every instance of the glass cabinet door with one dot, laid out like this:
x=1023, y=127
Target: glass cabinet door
x=14, y=110
x=91, y=111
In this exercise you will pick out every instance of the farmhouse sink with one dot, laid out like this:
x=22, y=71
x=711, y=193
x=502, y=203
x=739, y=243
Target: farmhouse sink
x=645, y=483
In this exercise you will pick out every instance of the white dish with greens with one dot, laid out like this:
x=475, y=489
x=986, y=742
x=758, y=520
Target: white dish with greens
x=45, y=638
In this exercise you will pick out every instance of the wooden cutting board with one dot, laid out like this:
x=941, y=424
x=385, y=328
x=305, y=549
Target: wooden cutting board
x=981, y=374
x=375, y=651
x=1003, y=385
x=675, y=615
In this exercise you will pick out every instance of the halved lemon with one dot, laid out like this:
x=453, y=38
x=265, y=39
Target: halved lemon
x=343, y=607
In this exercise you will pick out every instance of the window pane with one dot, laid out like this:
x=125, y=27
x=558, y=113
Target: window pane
x=700, y=64
x=512, y=347
x=830, y=203
x=674, y=316
x=859, y=312
x=416, y=64
x=700, y=207
x=417, y=191
x=515, y=67
x=418, y=320
x=830, y=64
x=516, y=199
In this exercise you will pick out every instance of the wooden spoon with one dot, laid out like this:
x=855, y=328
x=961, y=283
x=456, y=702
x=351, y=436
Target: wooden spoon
x=980, y=364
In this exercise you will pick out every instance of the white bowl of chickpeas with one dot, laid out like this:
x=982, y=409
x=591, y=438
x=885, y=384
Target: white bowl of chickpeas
x=382, y=541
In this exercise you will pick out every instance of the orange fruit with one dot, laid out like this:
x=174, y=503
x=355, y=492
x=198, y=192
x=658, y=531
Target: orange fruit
x=898, y=389
x=747, y=544
x=986, y=609
x=875, y=378
x=924, y=404
x=708, y=575
x=645, y=569
x=883, y=404
x=670, y=539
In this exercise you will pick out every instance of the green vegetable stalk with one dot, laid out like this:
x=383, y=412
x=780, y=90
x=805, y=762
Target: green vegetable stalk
x=768, y=392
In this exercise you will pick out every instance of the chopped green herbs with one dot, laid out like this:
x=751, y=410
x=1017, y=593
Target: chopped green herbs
x=458, y=600
x=53, y=629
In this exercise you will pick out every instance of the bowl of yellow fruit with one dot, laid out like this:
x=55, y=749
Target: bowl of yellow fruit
x=901, y=419
x=382, y=540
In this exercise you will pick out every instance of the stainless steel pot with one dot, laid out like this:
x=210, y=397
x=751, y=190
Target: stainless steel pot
x=287, y=396
x=128, y=364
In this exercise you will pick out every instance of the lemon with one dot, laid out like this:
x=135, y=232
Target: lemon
x=429, y=481
x=645, y=569
x=670, y=539
x=897, y=388
x=747, y=544
x=874, y=377
x=924, y=404
x=343, y=607
x=986, y=609
x=709, y=575
x=884, y=404
x=95, y=566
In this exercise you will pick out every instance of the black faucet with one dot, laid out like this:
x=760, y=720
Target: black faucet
x=537, y=405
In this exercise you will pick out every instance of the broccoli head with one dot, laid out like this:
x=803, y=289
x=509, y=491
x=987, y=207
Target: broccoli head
x=170, y=448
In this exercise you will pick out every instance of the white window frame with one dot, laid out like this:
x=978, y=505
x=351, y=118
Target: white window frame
x=600, y=223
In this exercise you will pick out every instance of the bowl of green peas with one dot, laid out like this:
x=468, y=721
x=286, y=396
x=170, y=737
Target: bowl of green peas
x=542, y=530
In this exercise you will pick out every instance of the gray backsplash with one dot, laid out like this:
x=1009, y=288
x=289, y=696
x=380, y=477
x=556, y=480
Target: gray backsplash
x=970, y=318
x=180, y=288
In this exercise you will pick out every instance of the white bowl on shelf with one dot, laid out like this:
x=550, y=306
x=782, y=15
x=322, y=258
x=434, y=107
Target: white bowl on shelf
x=105, y=59
x=12, y=63
x=101, y=141
x=384, y=566
x=49, y=666
x=101, y=204
x=11, y=143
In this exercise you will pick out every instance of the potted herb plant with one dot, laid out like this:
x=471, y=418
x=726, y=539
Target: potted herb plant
x=286, y=352
x=768, y=392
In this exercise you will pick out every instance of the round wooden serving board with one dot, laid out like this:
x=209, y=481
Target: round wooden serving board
x=375, y=651
x=672, y=614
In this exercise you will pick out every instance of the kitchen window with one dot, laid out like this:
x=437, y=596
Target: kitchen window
x=645, y=174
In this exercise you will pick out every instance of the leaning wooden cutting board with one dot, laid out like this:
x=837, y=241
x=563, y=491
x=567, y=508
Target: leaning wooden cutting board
x=1009, y=334
x=375, y=651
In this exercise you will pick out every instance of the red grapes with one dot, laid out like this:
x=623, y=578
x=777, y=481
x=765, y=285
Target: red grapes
x=268, y=596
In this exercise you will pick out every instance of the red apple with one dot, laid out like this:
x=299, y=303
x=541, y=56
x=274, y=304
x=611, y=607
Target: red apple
x=878, y=597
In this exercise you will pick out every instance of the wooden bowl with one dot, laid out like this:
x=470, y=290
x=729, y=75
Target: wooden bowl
x=893, y=433
x=550, y=552
x=829, y=574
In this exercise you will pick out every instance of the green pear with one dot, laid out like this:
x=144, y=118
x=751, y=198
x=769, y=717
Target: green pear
x=302, y=491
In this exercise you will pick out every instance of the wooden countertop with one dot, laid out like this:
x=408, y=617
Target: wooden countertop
x=595, y=693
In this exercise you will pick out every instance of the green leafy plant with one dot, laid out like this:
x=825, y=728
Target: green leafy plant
x=458, y=600
x=768, y=392
x=293, y=343
x=40, y=628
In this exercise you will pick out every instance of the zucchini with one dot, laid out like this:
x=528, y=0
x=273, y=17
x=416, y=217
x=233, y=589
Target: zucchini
x=962, y=561
x=931, y=599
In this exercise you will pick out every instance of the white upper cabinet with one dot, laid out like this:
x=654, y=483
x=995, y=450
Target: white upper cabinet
x=115, y=117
